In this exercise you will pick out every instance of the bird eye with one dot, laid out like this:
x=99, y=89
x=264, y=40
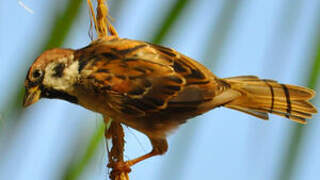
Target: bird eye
x=37, y=74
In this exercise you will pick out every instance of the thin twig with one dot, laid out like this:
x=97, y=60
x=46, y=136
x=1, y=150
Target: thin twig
x=115, y=156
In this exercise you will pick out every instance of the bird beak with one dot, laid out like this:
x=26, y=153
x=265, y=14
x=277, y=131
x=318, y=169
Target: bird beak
x=32, y=95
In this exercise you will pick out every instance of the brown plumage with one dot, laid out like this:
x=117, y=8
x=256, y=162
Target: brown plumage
x=153, y=89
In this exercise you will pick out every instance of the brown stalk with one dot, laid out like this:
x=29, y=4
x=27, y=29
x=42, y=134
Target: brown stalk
x=115, y=156
x=103, y=28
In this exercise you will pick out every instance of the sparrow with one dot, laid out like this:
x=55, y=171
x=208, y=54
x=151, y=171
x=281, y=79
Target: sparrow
x=154, y=89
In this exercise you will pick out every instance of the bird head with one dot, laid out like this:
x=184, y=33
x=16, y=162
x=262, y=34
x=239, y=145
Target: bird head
x=51, y=76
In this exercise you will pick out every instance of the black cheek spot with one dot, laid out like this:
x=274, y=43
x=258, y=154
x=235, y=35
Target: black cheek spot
x=58, y=70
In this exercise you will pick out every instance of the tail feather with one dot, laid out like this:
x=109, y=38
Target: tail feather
x=264, y=89
x=303, y=106
x=262, y=96
x=262, y=115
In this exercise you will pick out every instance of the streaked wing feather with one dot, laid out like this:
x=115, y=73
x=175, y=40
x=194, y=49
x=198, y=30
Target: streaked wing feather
x=148, y=76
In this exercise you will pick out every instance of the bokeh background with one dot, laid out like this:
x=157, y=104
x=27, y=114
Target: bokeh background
x=274, y=39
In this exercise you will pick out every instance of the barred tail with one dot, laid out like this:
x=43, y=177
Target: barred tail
x=259, y=97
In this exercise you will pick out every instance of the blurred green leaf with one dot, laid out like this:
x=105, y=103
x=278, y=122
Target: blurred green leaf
x=315, y=68
x=220, y=32
x=169, y=20
x=75, y=170
x=286, y=25
x=298, y=133
x=63, y=23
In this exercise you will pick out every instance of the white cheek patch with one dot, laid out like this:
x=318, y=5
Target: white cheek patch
x=65, y=82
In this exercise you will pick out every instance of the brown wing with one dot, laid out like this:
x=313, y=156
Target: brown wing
x=147, y=78
x=201, y=85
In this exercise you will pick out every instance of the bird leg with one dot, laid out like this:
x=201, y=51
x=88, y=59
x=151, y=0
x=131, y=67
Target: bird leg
x=160, y=146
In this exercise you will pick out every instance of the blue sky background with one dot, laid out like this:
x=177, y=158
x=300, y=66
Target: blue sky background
x=273, y=39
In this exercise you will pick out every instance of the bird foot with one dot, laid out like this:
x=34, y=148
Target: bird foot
x=119, y=167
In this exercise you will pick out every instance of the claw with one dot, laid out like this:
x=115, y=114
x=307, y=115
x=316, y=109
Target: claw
x=119, y=168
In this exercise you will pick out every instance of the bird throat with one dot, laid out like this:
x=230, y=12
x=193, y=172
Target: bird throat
x=56, y=94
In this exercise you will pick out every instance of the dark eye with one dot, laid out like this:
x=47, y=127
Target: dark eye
x=37, y=73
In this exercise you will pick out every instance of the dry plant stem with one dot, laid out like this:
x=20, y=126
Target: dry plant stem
x=92, y=15
x=104, y=28
x=101, y=21
x=116, y=154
